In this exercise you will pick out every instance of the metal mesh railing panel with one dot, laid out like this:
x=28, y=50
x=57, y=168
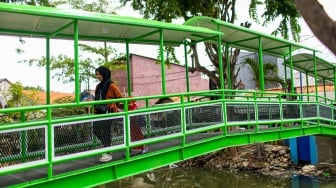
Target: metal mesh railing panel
x=325, y=112
x=75, y=137
x=203, y=116
x=268, y=111
x=309, y=110
x=22, y=146
x=291, y=111
x=162, y=123
x=236, y=112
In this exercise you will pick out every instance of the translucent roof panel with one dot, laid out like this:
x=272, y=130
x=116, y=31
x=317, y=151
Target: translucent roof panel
x=244, y=38
x=37, y=21
x=304, y=62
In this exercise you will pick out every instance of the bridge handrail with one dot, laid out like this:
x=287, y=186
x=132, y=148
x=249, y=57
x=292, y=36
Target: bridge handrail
x=180, y=130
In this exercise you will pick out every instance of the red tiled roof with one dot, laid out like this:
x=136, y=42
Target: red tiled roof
x=41, y=96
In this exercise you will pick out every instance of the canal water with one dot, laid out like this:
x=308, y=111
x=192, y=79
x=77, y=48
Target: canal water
x=213, y=178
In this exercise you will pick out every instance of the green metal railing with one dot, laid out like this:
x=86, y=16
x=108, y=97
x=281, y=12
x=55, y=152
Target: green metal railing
x=46, y=142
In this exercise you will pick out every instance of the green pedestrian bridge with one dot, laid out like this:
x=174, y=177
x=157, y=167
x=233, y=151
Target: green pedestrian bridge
x=41, y=146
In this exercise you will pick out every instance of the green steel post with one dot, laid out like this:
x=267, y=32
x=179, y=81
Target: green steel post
x=221, y=75
x=315, y=77
x=49, y=126
x=128, y=68
x=163, y=77
x=324, y=90
x=76, y=58
x=261, y=71
x=127, y=130
x=291, y=68
x=228, y=66
x=105, y=49
x=285, y=69
x=220, y=61
x=48, y=70
x=50, y=145
x=184, y=125
x=186, y=68
x=23, y=136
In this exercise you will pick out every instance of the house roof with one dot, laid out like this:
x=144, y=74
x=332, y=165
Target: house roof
x=41, y=96
x=5, y=79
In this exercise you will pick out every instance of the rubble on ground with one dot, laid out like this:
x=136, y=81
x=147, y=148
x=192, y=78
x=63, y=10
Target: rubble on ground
x=269, y=160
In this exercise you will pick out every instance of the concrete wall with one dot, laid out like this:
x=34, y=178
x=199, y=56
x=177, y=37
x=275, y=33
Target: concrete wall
x=326, y=148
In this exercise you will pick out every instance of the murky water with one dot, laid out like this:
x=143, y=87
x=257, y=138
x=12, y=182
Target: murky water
x=208, y=178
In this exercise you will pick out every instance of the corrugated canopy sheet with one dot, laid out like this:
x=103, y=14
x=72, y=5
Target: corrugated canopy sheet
x=304, y=62
x=244, y=38
x=247, y=39
x=39, y=21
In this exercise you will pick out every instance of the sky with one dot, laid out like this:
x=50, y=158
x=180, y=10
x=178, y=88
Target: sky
x=35, y=48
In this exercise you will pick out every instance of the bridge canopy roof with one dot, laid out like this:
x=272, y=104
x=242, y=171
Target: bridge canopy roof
x=247, y=39
x=37, y=21
x=304, y=62
x=244, y=38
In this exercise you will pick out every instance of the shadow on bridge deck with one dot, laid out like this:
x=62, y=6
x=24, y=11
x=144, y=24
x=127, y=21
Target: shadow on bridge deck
x=39, y=173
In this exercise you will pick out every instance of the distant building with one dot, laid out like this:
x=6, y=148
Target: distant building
x=146, y=78
x=4, y=86
x=246, y=74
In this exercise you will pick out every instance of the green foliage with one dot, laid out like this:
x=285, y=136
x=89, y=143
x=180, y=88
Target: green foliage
x=16, y=95
x=224, y=10
x=101, y=6
x=169, y=56
x=37, y=88
x=253, y=10
x=64, y=67
x=284, y=10
x=270, y=72
x=62, y=112
x=45, y=3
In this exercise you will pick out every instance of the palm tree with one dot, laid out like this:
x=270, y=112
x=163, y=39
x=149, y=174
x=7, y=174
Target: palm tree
x=271, y=77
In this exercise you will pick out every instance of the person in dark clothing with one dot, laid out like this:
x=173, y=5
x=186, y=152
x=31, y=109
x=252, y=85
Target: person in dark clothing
x=106, y=89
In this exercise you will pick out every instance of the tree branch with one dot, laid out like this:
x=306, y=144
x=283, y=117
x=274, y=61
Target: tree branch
x=323, y=27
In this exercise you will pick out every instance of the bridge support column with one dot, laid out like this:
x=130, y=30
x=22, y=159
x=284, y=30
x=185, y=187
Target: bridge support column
x=313, y=150
x=303, y=149
x=293, y=150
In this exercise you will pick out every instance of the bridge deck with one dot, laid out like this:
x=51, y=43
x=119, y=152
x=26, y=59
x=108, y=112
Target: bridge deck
x=38, y=173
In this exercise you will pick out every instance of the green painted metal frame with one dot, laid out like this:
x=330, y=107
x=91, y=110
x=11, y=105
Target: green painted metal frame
x=114, y=171
x=215, y=33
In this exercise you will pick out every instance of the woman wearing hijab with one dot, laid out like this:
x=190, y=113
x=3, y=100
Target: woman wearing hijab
x=106, y=89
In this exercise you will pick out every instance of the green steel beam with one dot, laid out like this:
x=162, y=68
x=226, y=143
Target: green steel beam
x=108, y=172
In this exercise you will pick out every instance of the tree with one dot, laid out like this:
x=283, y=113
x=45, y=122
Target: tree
x=323, y=27
x=285, y=10
x=46, y=3
x=271, y=76
x=15, y=94
x=223, y=10
x=62, y=64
